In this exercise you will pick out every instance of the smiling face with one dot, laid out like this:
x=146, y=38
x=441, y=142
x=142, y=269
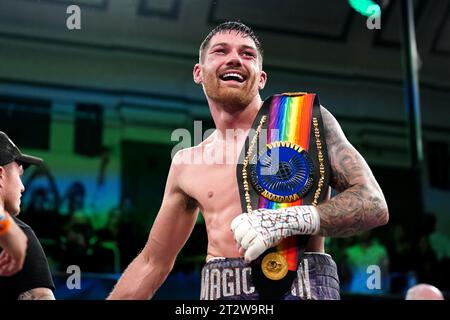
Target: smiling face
x=11, y=187
x=230, y=70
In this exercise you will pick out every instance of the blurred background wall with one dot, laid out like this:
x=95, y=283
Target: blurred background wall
x=100, y=104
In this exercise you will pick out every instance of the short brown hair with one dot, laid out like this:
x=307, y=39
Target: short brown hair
x=229, y=26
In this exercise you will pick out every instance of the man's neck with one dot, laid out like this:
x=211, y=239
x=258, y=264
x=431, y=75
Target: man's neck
x=225, y=119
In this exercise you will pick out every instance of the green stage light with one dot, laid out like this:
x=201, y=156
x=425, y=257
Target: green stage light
x=366, y=7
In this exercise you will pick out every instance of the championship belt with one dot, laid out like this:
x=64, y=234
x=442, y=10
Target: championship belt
x=285, y=163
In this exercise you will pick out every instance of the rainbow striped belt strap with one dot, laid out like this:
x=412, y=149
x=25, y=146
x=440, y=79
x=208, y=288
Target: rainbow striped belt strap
x=289, y=169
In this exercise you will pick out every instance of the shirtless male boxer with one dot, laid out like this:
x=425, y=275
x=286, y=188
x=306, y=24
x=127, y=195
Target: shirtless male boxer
x=230, y=72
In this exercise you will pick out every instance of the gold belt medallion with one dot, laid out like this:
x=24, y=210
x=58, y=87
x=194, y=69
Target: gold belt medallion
x=274, y=266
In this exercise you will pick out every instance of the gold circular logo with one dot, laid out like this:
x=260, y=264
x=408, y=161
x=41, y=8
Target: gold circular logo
x=274, y=266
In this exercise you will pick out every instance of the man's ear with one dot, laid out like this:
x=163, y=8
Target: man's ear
x=262, y=80
x=197, y=73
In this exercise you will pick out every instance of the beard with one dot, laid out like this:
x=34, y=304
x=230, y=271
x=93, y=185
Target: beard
x=231, y=98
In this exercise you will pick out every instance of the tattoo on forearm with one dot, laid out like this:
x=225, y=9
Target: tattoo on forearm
x=360, y=205
x=350, y=212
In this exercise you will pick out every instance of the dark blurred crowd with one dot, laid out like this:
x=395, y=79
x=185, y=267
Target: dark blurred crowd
x=67, y=232
x=405, y=257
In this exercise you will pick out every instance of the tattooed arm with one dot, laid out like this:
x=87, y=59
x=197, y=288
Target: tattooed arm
x=360, y=204
x=37, y=294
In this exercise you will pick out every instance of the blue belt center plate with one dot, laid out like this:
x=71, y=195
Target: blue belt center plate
x=283, y=173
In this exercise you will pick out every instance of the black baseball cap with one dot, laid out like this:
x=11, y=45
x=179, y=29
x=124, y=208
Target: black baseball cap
x=10, y=153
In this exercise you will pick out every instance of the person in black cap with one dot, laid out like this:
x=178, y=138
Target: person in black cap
x=34, y=281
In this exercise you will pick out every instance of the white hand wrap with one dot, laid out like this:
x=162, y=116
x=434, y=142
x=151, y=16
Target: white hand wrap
x=263, y=228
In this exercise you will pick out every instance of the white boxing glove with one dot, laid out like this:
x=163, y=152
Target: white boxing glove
x=264, y=228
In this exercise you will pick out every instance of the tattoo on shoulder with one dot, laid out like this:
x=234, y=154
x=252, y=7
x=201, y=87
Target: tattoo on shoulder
x=348, y=166
x=360, y=204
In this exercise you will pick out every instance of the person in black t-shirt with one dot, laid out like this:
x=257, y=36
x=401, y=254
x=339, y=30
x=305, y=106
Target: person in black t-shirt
x=34, y=281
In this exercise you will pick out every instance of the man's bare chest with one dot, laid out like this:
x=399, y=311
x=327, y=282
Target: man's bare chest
x=214, y=187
